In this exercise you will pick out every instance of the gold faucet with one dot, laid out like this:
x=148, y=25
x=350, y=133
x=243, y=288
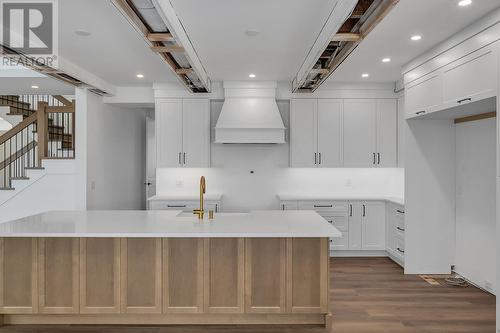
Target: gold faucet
x=200, y=212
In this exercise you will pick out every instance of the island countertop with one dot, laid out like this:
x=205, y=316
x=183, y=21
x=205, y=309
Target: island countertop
x=173, y=224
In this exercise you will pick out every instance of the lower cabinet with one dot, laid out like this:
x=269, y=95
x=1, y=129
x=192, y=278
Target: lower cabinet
x=396, y=232
x=185, y=206
x=109, y=276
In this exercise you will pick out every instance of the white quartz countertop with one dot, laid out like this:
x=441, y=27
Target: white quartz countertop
x=318, y=197
x=185, y=197
x=160, y=223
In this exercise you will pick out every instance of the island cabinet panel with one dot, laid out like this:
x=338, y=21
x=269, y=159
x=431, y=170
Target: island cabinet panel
x=183, y=275
x=99, y=275
x=18, y=275
x=307, y=275
x=58, y=275
x=140, y=275
x=265, y=275
x=224, y=275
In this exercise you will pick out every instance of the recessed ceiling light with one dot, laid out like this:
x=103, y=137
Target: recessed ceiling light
x=464, y=3
x=252, y=32
x=35, y=87
x=251, y=76
x=365, y=75
x=416, y=37
x=140, y=76
x=82, y=32
x=386, y=60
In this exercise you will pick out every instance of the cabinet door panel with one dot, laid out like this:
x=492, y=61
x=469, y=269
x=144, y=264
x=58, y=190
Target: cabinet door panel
x=307, y=277
x=195, y=133
x=303, y=129
x=59, y=274
x=224, y=275
x=359, y=133
x=355, y=228
x=473, y=77
x=18, y=275
x=99, y=275
x=387, y=128
x=373, y=223
x=424, y=95
x=168, y=118
x=141, y=275
x=183, y=275
x=265, y=269
x=330, y=133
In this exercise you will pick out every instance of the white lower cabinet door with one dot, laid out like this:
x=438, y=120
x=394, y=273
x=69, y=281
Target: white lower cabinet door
x=330, y=133
x=373, y=225
x=360, y=133
x=355, y=229
x=340, y=243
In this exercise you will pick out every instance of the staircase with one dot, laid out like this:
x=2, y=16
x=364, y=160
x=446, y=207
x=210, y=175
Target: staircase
x=44, y=129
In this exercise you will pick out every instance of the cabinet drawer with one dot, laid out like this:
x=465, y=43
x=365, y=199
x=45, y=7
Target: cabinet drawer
x=289, y=205
x=334, y=206
x=185, y=206
x=340, y=243
x=339, y=221
x=399, y=247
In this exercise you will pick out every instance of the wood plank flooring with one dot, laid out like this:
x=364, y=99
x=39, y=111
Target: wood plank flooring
x=368, y=295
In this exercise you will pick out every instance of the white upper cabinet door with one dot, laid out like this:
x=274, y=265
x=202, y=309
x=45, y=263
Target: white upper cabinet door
x=373, y=225
x=168, y=120
x=196, y=133
x=387, y=128
x=471, y=78
x=360, y=133
x=424, y=95
x=330, y=133
x=355, y=227
x=303, y=129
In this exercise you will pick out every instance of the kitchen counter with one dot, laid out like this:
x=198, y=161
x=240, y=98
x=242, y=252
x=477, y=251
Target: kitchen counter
x=185, y=197
x=165, y=268
x=169, y=224
x=320, y=197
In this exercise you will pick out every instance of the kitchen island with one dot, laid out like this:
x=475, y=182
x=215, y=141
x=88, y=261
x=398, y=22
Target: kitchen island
x=165, y=267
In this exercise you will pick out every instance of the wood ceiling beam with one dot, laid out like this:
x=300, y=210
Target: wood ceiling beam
x=167, y=49
x=346, y=37
x=184, y=71
x=368, y=22
x=160, y=37
x=319, y=71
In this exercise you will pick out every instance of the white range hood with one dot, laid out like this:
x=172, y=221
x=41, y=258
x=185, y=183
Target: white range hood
x=250, y=114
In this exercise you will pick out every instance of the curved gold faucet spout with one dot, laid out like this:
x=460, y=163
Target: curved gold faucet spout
x=200, y=212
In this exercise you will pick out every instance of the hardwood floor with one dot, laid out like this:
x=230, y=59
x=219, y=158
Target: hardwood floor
x=368, y=295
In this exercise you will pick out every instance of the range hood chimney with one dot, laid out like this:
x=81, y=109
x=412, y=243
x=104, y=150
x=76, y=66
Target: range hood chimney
x=250, y=114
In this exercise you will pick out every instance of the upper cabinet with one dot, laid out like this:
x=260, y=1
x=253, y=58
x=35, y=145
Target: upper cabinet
x=182, y=133
x=469, y=78
x=370, y=133
x=316, y=133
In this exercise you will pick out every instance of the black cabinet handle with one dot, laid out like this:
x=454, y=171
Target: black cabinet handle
x=282, y=206
x=180, y=162
x=378, y=158
x=184, y=158
x=315, y=158
x=319, y=158
x=464, y=100
x=216, y=208
x=374, y=158
x=420, y=112
x=176, y=206
x=364, y=210
x=350, y=209
x=323, y=206
x=400, y=229
x=400, y=211
x=402, y=251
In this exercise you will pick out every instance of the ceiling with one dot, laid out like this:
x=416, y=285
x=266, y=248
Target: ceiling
x=288, y=29
x=114, y=51
x=18, y=81
x=434, y=20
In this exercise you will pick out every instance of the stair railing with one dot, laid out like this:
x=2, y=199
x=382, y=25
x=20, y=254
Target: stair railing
x=48, y=133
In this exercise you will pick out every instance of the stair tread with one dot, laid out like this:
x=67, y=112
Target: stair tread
x=34, y=168
x=19, y=178
x=7, y=189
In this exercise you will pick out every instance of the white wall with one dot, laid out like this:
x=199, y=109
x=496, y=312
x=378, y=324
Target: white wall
x=231, y=175
x=429, y=196
x=115, y=156
x=475, y=256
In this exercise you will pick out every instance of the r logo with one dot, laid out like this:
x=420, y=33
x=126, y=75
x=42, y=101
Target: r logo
x=28, y=27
